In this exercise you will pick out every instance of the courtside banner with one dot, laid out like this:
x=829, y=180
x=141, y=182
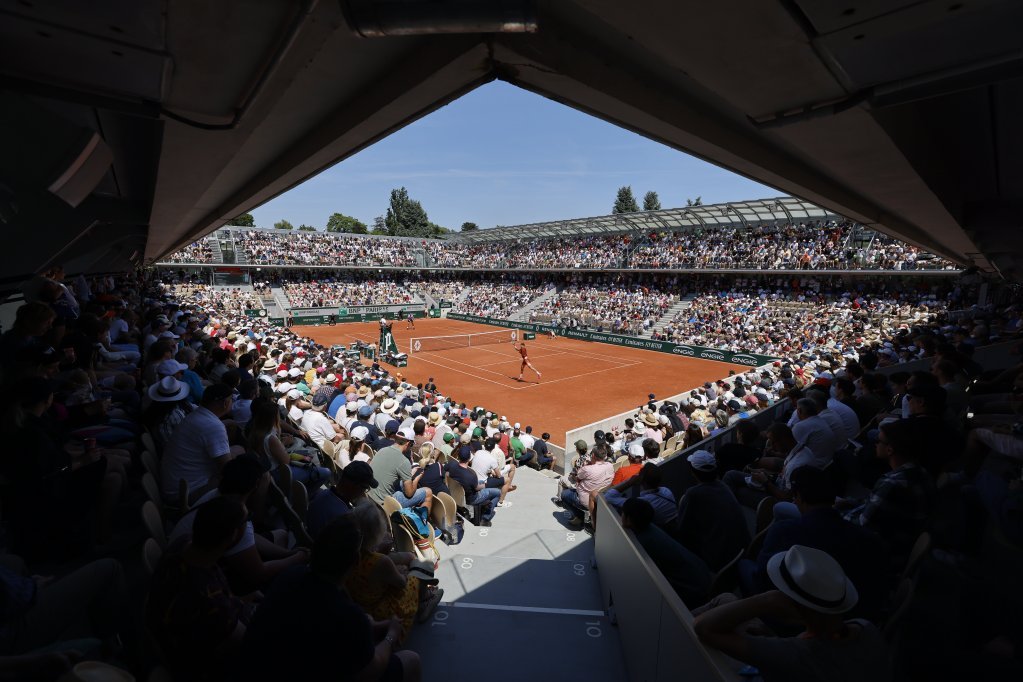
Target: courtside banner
x=684, y=350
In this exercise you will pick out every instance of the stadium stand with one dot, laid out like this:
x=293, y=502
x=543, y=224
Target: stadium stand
x=643, y=243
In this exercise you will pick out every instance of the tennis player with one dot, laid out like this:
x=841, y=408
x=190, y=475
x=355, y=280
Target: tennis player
x=410, y=322
x=521, y=348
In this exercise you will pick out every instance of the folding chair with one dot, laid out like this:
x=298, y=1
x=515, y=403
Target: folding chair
x=151, y=554
x=154, y=523
x=150, y=464
x=727, y=577
x=152, y=490
x=765, y=513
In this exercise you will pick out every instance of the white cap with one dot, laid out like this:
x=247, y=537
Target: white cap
x=294, y=394
x=703, y=460
x=360, y=433
x=636, y=449
x=406, y=433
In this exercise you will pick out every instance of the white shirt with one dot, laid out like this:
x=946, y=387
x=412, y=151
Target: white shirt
x=847, y=415
x=814, y=433
x=241, y=411
x=117, y=327
x=837, y=427
x=184, y=527
x=483, y=463
x=192, y=450
x=319, y=428
x=527, y=440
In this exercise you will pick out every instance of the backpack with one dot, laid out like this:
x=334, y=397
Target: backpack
x=412, y=521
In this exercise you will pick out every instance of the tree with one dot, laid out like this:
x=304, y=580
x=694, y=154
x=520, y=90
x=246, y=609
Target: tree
x=651, y=202
x=694, y=202
x=470, y=227
x=438, y=231
x=283, y=225
x=405, y=217
x=339, y=222
x=379, y=226
x=306, y=228
x=625, y=202
x=244, y=220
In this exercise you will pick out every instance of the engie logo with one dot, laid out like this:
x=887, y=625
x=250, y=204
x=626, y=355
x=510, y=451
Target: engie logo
x=683, y=350
x=745, y=360
x=712, y=355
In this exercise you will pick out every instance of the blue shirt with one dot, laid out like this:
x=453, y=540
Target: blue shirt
x=661, y=499
x=336, y=405
x=195, y=387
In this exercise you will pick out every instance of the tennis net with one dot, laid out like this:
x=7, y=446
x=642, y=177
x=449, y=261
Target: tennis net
x=423, y=344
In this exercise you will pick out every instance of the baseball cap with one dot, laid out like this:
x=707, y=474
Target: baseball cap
x=365, y=411
x=636, y=449
x=359, y=473
x=294, y=394
x=406, y=434
x=448, y=437
x=359, y=433
x=170, y=367
x=581, y=445
x=702, y=460
x=391, y=426
x=320, y=399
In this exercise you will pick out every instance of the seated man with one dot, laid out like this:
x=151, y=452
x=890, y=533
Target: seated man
x=356, y=480
x=685, y=571
x=476, y=492
x=393, y=469
x=254, y=561
x=339, y=642
x=492, y=470
x=317, y=425
x=651, y=490
x=191, y=612
x=858, y=551
x=811, y=589
x=710, y=521
x=198, y=448
x=592, y=477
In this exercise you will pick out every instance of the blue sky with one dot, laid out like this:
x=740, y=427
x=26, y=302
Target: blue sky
x=504, y=156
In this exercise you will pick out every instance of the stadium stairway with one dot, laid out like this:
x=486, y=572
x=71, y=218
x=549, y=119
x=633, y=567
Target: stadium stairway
x=528, y=581
x=218, y=255
x=281, y=298
x=522, y=314
x=680, y=305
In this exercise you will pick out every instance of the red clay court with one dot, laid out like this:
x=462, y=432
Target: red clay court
x=583, y=381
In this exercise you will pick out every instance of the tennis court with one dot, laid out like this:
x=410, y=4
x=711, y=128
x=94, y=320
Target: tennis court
x=582, y=381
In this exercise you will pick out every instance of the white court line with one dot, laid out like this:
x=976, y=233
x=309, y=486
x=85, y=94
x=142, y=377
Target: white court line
x=576, y=376
x=524, y=609
x=516, y=388
x=470, y=374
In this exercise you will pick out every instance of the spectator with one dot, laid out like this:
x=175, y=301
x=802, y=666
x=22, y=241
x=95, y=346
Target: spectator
x=199, y=448
x=340, y=642
x=811, y=589
x=650, y=489
x=710, y=521
x=684, y=571
x=392, y=467
x=355, y=482
x=193, y=615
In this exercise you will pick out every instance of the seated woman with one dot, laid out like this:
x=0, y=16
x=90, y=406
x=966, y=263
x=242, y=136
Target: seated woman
x=355, y=449
x=264, y=441
x=431, y=469
x=380, y=583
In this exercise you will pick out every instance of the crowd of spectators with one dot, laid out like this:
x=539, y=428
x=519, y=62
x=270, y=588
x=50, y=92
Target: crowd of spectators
x=772, y=317
x=115, y=388
x=267, y=247
x=197, y=252
x=618, y=307
x=332, y=292
x=499, y=299
x=804, y=246
x=551, y=252
x=222, y=299
x=873, y=493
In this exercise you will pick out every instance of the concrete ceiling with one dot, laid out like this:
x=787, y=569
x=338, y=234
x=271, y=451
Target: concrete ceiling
x=904, y=115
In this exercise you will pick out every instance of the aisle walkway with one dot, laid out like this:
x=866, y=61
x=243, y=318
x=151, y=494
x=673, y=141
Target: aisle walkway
x=521, y=600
